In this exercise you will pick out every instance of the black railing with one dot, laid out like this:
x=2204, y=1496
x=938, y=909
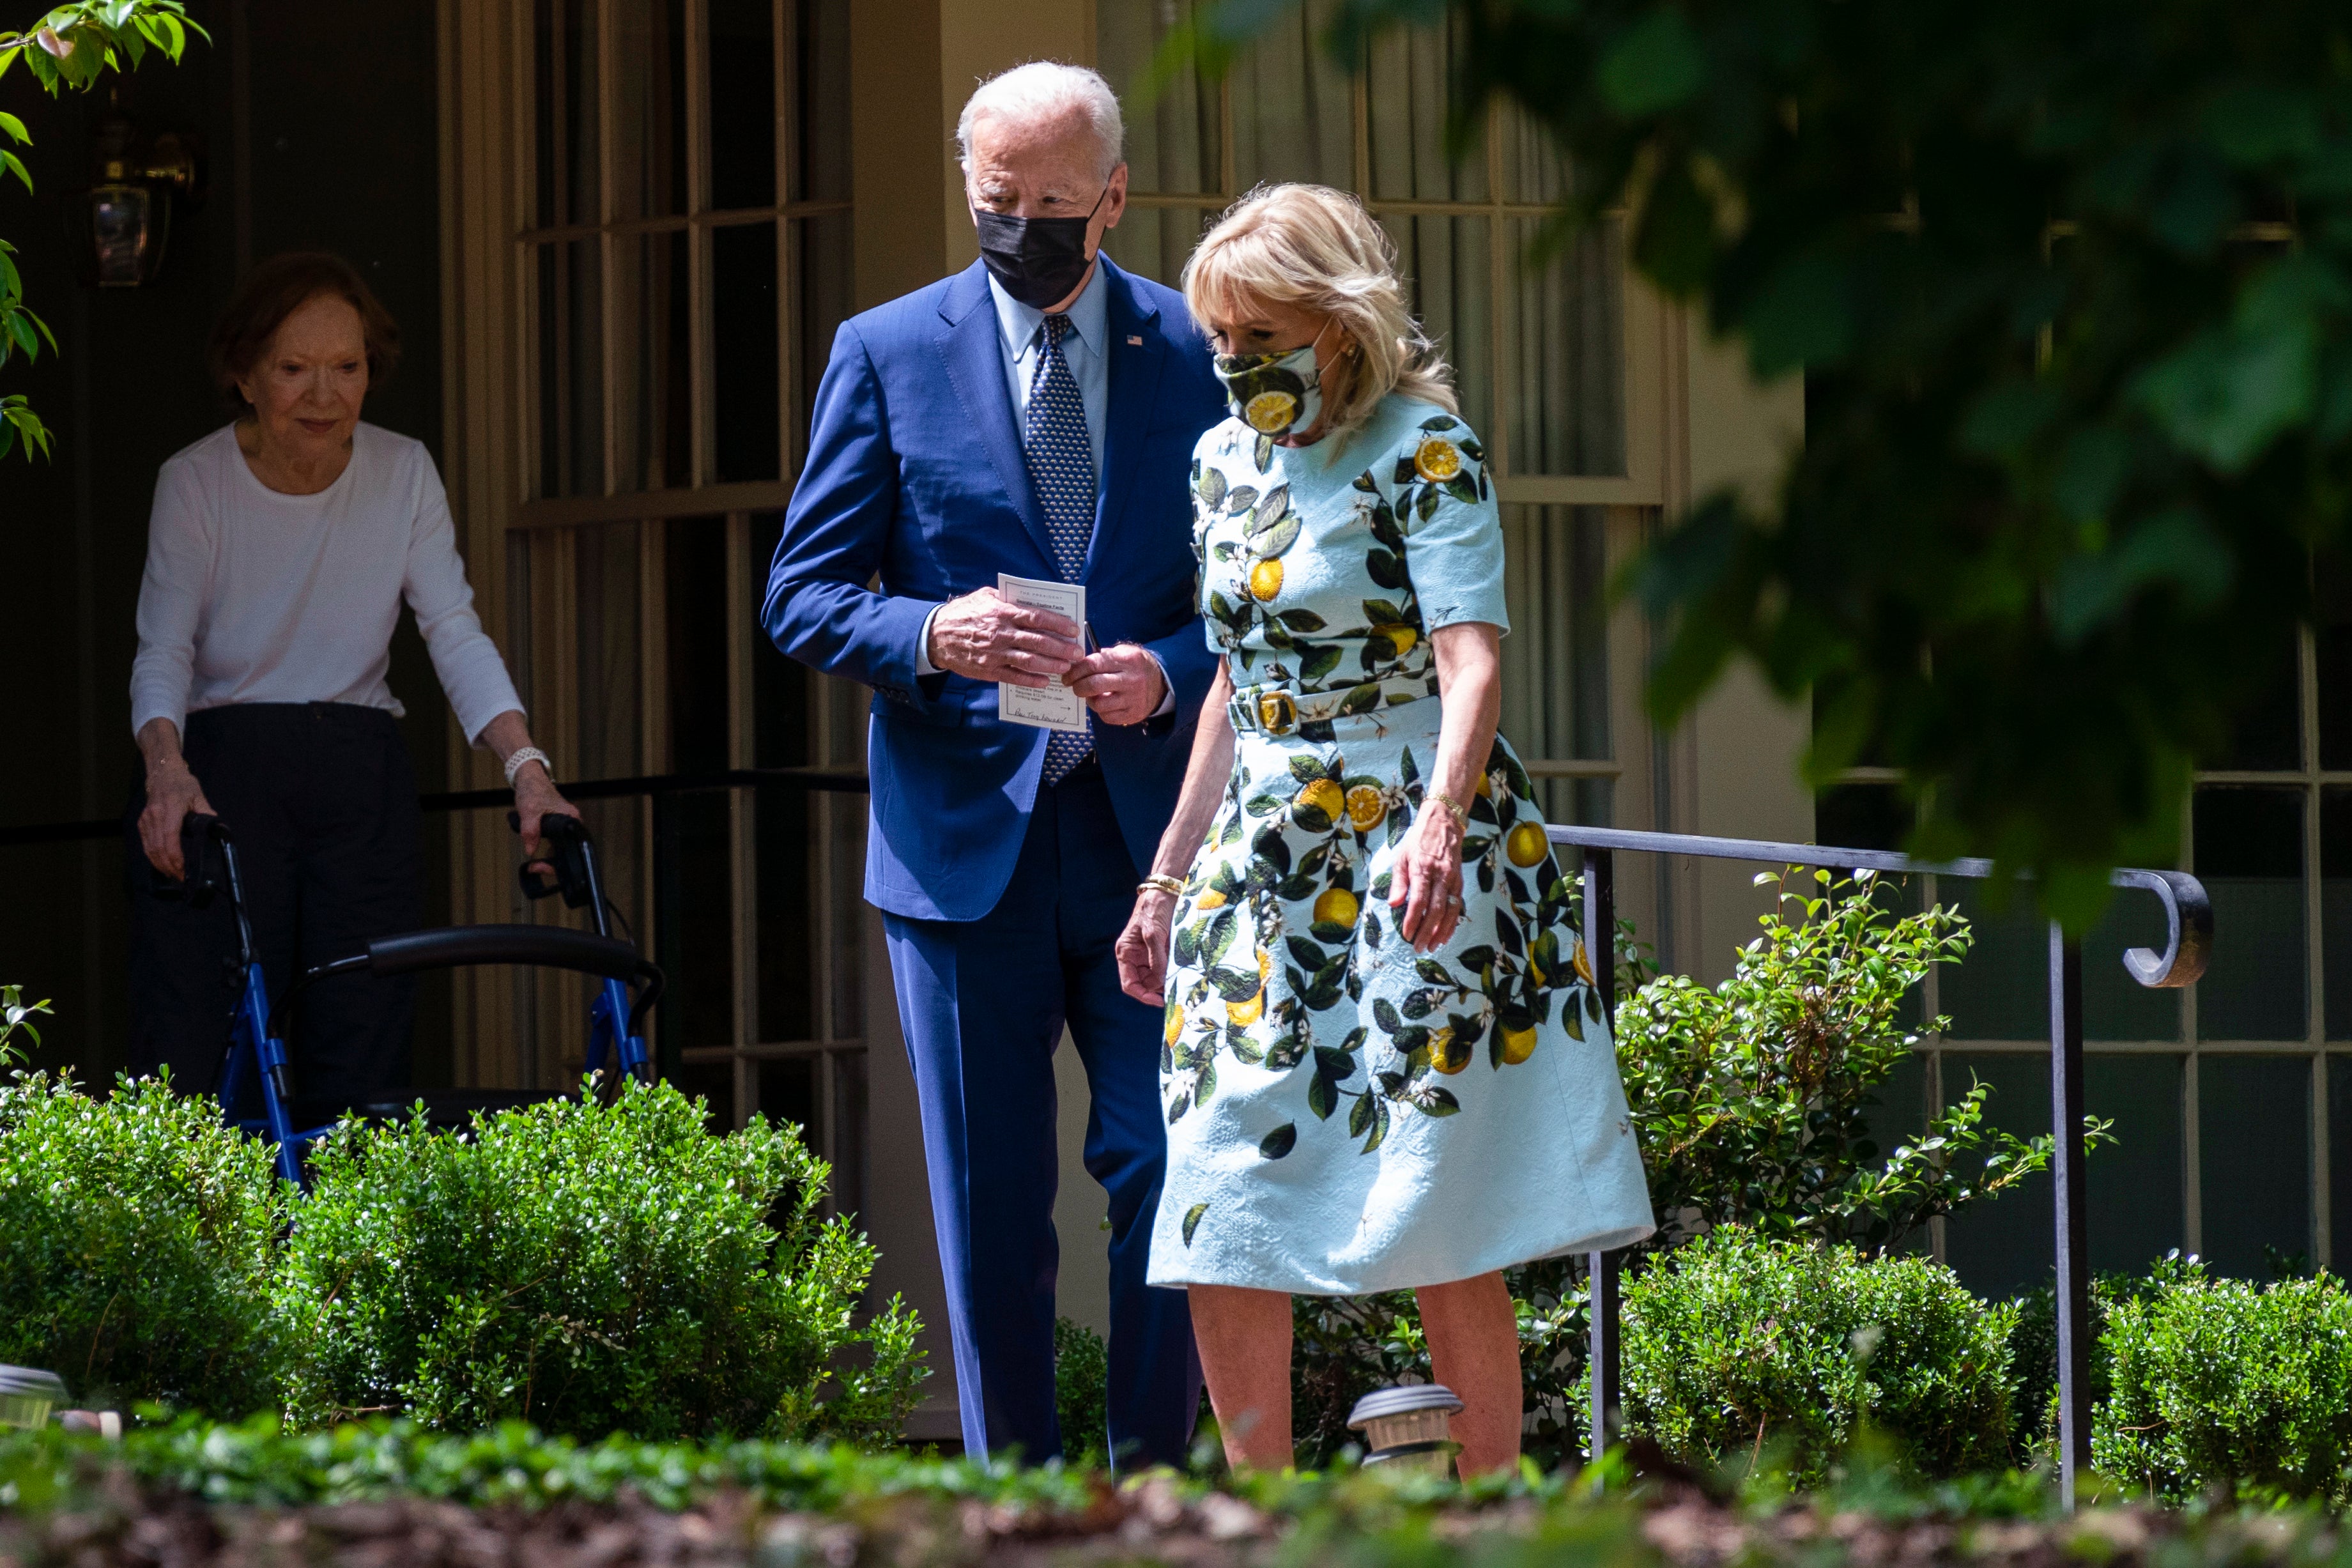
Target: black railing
x=851, y=780
x=2188, y=939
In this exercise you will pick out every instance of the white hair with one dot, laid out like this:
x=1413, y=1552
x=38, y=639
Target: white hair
x=1043, y=90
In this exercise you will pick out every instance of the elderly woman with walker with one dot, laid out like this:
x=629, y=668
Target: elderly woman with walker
x=279, y=552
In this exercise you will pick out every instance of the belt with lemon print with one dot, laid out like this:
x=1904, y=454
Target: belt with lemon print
x=1272, y=710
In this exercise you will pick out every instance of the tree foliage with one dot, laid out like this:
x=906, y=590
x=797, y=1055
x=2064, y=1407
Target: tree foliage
x=2072, y=288
x=71, y=46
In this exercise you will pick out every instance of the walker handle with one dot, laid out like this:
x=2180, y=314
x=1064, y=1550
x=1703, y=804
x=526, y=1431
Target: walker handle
x=566, y=839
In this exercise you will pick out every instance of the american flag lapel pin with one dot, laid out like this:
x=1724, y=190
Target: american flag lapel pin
x=1135, y=340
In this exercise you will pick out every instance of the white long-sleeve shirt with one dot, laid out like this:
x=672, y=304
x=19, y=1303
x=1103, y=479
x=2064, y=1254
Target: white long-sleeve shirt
x=254, y=597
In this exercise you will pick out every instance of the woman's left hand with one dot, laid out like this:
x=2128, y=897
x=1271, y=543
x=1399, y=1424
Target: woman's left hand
x=537, y=797
x=1425, y=881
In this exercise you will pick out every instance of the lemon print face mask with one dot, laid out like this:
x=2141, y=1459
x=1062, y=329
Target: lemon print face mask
x=1276, y=394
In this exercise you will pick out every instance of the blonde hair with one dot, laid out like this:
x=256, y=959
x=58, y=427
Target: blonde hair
x=1318, y=249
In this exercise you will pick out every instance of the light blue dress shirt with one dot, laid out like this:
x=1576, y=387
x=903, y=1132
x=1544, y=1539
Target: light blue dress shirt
x=1087, y=347
x=1021, y=334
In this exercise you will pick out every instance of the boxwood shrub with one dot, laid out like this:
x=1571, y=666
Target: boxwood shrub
x=2225, y=1385
x=589, y=1269
x=1736, y=1345
x=136, y=1243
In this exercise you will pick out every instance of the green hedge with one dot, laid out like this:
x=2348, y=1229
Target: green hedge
x=1738, y=1346
x=588, y=1269
x=137, y=1242
x=2219, y=1384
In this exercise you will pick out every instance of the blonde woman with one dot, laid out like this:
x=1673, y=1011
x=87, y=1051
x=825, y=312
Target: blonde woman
x=1385, y=1067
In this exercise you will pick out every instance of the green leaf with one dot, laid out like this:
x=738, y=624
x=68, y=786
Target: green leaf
x=1442, y=1102
x=1279, y=1141
x=1322, y=1097
x=1654, y=65
x=1360, y=1115
x=1192, y=1221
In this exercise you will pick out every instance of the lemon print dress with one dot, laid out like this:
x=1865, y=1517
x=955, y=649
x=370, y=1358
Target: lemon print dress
x=1346, y=1114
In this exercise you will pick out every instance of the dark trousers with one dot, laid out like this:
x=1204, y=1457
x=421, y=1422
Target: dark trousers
x=983, y=1003
x=320, y=802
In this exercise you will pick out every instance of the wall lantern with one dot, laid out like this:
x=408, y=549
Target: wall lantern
x=1405, y=1429
x=119, y=226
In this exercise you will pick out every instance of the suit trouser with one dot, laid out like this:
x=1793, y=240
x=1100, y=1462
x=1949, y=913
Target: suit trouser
x=983, y=1003
x=320, y=802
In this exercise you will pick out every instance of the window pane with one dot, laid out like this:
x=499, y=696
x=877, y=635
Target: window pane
x=1152, y=242
x=712, y=1081
x=694, y=832
x=788, y=1093
x=648, y=146
x=1406, y=104
x=849, y=1122
x=742, y=103
x=1862, y=817
x=745, y=392
x=1556, y=661
x=2339, y=1161
x=2336, y=913
x=2002, y=1246
x=1897, y=1117
x=2001, y=990
x=2332, y=634
x=2267, y=720
x=822, y=27
x=821, y=269
x=1174, y=143
x=782, y=728
x=1533, y=170
x=2250, y=857
x=1447, y=265
x=2254, y=1129
x=1564, y=348
x=571, y=368
x=2005, y=1245
x=2136, y=1193
x=566, y=123
x=1293, y=111
x=651, y=417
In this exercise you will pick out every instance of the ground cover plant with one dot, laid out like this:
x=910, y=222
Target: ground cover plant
x=588, y=1269
x=137, y=1242
x=199, y=1497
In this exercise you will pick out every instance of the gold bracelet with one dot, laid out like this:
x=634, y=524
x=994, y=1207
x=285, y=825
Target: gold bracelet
x=1168, y=885
x=1453, y=809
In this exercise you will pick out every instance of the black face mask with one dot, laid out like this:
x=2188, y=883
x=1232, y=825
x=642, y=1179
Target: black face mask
x=1037, y=260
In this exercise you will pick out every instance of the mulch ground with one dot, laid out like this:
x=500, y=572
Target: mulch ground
x=1153, y=1523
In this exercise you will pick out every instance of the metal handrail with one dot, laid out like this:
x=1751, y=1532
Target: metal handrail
x=844, y=781
x=2189, y=944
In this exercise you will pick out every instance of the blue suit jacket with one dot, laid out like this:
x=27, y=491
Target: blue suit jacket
x=916, y=491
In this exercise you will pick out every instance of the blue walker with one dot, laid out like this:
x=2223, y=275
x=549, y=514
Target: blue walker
x=258, y=1029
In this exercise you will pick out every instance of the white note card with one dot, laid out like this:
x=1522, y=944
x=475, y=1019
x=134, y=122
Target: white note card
x=1054, y=707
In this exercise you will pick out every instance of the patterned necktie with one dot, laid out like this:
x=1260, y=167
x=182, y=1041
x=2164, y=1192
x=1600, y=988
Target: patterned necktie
x=1062, y=470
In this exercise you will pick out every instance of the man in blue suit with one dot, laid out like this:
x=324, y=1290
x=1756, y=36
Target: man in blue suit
x=1033, y=414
